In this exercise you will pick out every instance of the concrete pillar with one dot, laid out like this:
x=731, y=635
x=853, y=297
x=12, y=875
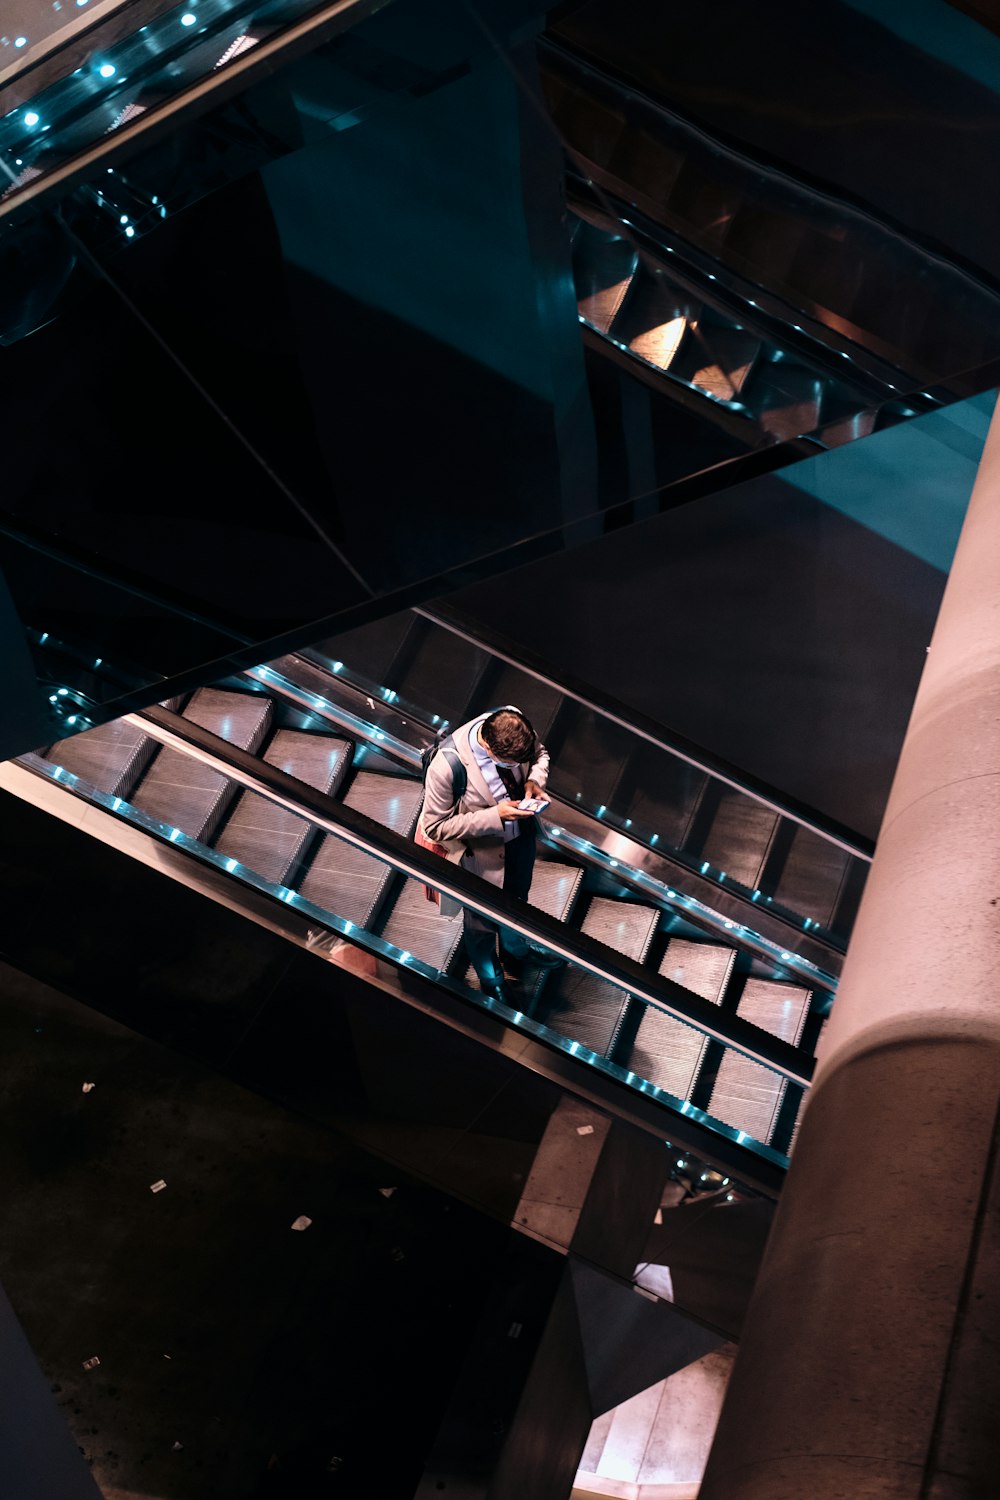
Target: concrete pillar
x=870, y=1360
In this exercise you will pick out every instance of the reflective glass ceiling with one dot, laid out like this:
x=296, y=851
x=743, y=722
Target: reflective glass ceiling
x=911, y=485
x=334, y=343
x=112, y=73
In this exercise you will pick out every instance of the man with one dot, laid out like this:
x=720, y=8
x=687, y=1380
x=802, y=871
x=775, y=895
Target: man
x=504, y=764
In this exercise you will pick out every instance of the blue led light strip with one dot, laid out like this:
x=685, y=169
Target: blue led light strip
x=123, y=810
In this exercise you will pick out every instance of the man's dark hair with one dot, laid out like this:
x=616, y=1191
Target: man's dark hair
x=509, y=735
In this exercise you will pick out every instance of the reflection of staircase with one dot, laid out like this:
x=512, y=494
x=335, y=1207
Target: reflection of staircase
x=832, y=273
x=434, y=670
x=654, y=313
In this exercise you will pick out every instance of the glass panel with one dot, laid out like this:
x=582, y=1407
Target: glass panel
x=95, y=641
x=211, y=337
x=74, y=91
x=682, y=193
x=615, y=791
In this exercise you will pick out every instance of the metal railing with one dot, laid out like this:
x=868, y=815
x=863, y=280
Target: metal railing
x=843, y=838
x=408, y=859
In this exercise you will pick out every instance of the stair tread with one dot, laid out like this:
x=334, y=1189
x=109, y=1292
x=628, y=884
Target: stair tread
x=747, y=1095
x=390, y=801
x=188, y=794
x=554, y=887
x=703, y=968
x=740, y=837
x=578, y=1004
x=268, y=838
x=626, y=926
x=345, y=880
x=666, y=1051
x=603, y=267
x=370, y=649
x=417, y=925
x=109, y=757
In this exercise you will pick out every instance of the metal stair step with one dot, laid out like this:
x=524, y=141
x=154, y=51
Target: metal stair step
x=667, y=1052
x=786, y=399
x=587, y=1009
x=655, y=318
x=666, y=794
x=267, y=838
x=717, y=360
x=740, y=837
x=441, y=672
x=111, y=757
x=417, y=926
x=746, y=1095
x=812, y=876
x=537, y=700
x=370, y=649
x=603, y=267
x=346, y=881
x=801, y=1109
x=591, y=758
x=188, y=794
x=554, y=888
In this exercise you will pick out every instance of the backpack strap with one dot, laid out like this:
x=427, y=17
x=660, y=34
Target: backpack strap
x=459, y=775
x=459, y=783
x=445, y=745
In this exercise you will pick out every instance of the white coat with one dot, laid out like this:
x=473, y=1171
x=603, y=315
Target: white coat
x=471, y=829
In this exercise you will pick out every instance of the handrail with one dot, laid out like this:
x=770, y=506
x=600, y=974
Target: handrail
x=447, y=617
x=289, y=43
x=409, y=859
x=51, y=58
x=279, y=678
x=736, y=469
x=161, y=595
x=733, y=470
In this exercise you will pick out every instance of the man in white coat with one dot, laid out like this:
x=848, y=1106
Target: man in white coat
x=485, y=830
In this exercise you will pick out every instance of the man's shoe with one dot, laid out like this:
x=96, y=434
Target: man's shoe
x=541, y=958
x=534, y=957
x=495, y=989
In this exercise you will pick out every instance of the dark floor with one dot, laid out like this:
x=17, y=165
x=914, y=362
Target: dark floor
x=260, y=1083
x=238, y=1358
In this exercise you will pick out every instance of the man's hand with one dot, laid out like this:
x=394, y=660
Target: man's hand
x=532, y=789
x=509, y=812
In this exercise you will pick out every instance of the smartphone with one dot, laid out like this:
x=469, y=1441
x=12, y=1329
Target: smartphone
x=533, y=804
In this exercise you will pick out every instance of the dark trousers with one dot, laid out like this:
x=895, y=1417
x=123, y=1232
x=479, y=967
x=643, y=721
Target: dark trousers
x=480, y=934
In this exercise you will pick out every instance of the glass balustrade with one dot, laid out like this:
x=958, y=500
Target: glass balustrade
x=626, y=1020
